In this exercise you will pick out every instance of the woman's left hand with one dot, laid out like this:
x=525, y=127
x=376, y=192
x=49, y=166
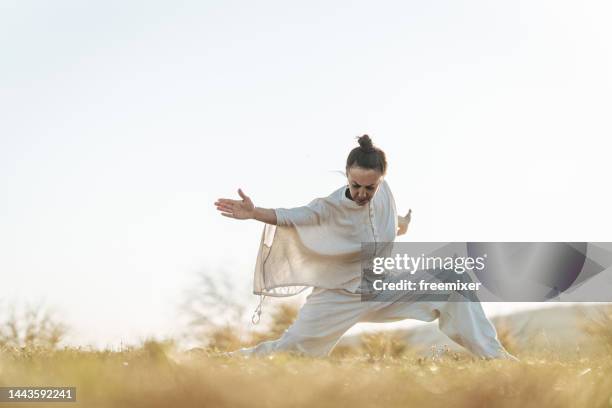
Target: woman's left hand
x=403, y=222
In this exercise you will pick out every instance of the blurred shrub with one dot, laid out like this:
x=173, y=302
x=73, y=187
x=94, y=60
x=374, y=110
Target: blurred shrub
x=598, y=324
x=30, y=327
x=283, y=316
x=214, y=315
x=218, y=322
x=506, y=333
x=387, y=344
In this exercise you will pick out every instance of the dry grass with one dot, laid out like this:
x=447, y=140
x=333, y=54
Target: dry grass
x=382, y=369
x=155, y=375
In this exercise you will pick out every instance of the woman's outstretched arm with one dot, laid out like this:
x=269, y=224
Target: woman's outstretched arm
x=245, y=210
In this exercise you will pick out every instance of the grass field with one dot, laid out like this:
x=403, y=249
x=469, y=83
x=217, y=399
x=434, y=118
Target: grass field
x=383, y=370
x=154, y=376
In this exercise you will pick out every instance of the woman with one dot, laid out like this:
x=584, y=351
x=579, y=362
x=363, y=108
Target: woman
x=319, y=246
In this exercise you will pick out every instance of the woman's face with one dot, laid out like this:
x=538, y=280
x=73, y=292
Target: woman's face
x=363, y=183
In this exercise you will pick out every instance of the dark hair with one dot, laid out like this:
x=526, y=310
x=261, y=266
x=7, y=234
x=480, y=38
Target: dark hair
x=367, y=156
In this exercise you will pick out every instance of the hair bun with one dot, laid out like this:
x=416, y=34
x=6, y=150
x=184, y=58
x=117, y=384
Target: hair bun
x=365, y=143
x=367, y=156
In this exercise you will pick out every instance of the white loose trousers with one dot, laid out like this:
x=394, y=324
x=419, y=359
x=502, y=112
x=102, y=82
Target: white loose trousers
x=328, y=313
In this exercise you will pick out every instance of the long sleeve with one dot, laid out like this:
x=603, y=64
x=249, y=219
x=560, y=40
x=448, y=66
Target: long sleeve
x=320, y=244
x=312, y=214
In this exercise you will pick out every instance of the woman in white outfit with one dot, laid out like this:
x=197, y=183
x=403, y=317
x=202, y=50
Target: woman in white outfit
x=319, y=246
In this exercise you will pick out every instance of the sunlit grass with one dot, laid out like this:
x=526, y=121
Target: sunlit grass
x=383, y=369
x=156, y=375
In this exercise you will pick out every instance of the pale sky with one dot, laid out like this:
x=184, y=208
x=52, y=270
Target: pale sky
x=122, y=122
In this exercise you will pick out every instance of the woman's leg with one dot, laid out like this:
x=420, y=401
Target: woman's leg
x=322, y=320
x=463, y=322
x=466, y=324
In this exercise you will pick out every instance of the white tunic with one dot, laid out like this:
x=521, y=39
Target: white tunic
x=320, y=244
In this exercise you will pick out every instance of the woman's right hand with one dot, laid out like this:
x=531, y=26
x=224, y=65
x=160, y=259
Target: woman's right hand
x=239, y=209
